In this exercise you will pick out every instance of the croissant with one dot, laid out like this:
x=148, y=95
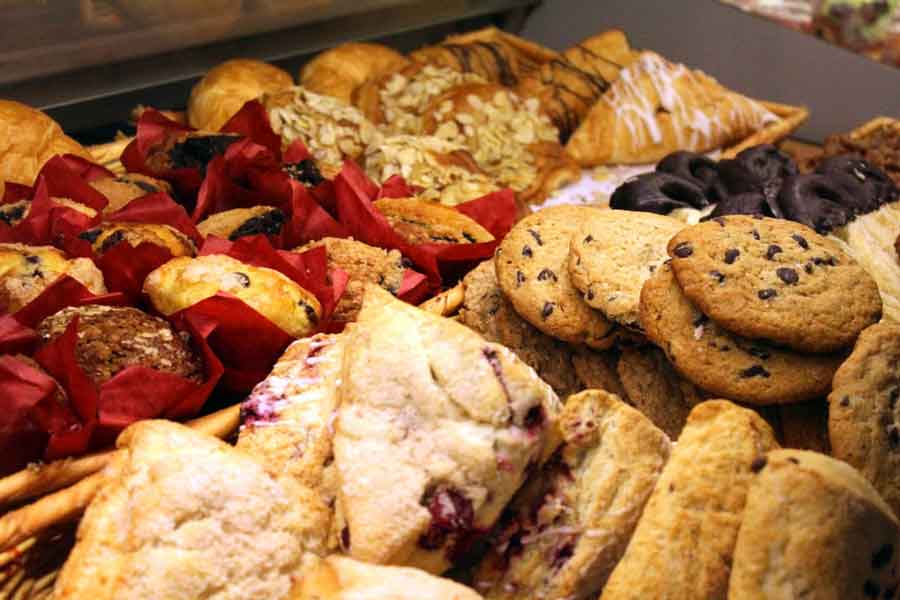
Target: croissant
x=656, y=107
x=339, y=71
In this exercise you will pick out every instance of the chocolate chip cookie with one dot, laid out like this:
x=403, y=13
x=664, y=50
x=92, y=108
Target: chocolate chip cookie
x=532, y=267
x=724, y=363
x=654, y=387
x=613, y=253
x=776, y=280
x=864, y=412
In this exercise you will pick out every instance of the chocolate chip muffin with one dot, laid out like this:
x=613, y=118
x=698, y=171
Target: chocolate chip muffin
x=241, y=222
x=109, y=235
x=15, y=212
x=121, y=190
x=111, y=339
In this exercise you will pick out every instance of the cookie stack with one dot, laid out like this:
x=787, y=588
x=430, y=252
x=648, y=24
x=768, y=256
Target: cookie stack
x=757, y=310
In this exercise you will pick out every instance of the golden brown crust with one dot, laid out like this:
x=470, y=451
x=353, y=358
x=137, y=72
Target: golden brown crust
x=224, y=90
x=604, y=54
x=121, y=190
x=339, y=71
x=28, y=139
x=422, y=222
x=108, y=235
x=529, y=55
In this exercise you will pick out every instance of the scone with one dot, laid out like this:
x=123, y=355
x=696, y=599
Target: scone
x=14, y=213
x=397, y=101
x=113, y=338
x=122, y=189
x=240, y=222
x=25, y=271
x=569, y=525
x=363, y=264
x=435, y=432
x=182, y=282
x=287, y=420
x=508, y=136
x=446, y=171
x=338, y=71
x=656, y=107
x=221, y=93
x=109, y=235
x=421, y=222
x=814, y=528
x=183, y=515
x=685, y=540
x=332, y=130
x=341, y=578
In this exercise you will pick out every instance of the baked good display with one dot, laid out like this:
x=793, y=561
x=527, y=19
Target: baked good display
x=188, y=150
x=341, y=578
x=445, y=170
x=566, y=530
x=122, y=189
x=508, y=137
x=532, y=268
x=721, y=362
x=14, y=213
x=603, y=55
x=363, y=264
x=339, y=71
x=775, y=280
x=225, y=88
x=863, y=409
x=181, y=513
x=30, y=138
x=108, y=235
x=421, y=222
x=26, y=271
x=825, y=553
x=611, y=256
x=240, y=222
x=112, y=338
x=184, y=281
x=685, y=539
x=331, y=129
x=435, y=431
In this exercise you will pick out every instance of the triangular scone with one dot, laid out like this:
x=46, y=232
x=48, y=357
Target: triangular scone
x=656, y=107
x=569, y=525
x=184, y=516
x=286, y=422
x=436, y=430
x=342, y=578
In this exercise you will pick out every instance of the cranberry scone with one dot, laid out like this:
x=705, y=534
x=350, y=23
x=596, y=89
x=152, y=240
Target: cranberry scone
x=568, y=527
x=436, y=430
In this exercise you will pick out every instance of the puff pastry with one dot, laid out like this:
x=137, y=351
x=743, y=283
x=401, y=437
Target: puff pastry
x=656, y=107
x=339, y=71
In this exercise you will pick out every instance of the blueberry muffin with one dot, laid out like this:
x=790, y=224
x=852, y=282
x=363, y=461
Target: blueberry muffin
x=188, y=150
x=183, y=282
x=122, y=189
x=109, y=235
x=25, y=271
x=363, y=264
x=421, y=222
x=112, y=338
x=241, y=222
x=15, y=212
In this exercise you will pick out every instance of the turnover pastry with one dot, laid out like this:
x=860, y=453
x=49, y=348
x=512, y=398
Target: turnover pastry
x=434, y=434
x=656, y=107
x=332, y=130
x=493, y=61
x=182, y=513
x=509, y=137
x=397, y=100
x=569, y=525
x=445, y=171
x=603, y=55
x=527, y=56
x=339, y=71
x=225, y=88
x=26, y=271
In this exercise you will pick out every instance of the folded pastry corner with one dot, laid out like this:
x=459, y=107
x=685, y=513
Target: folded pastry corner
x=436, y=430
x=183, y=515
x=656, y=107
x=568, y=527
x=342, y=578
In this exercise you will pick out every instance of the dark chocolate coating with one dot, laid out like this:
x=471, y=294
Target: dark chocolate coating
x=767, y=162
x=746, y=203
x=875, y=187
x=818, y=201
x=659, y=193
x=696, y=168
x=761, y=168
